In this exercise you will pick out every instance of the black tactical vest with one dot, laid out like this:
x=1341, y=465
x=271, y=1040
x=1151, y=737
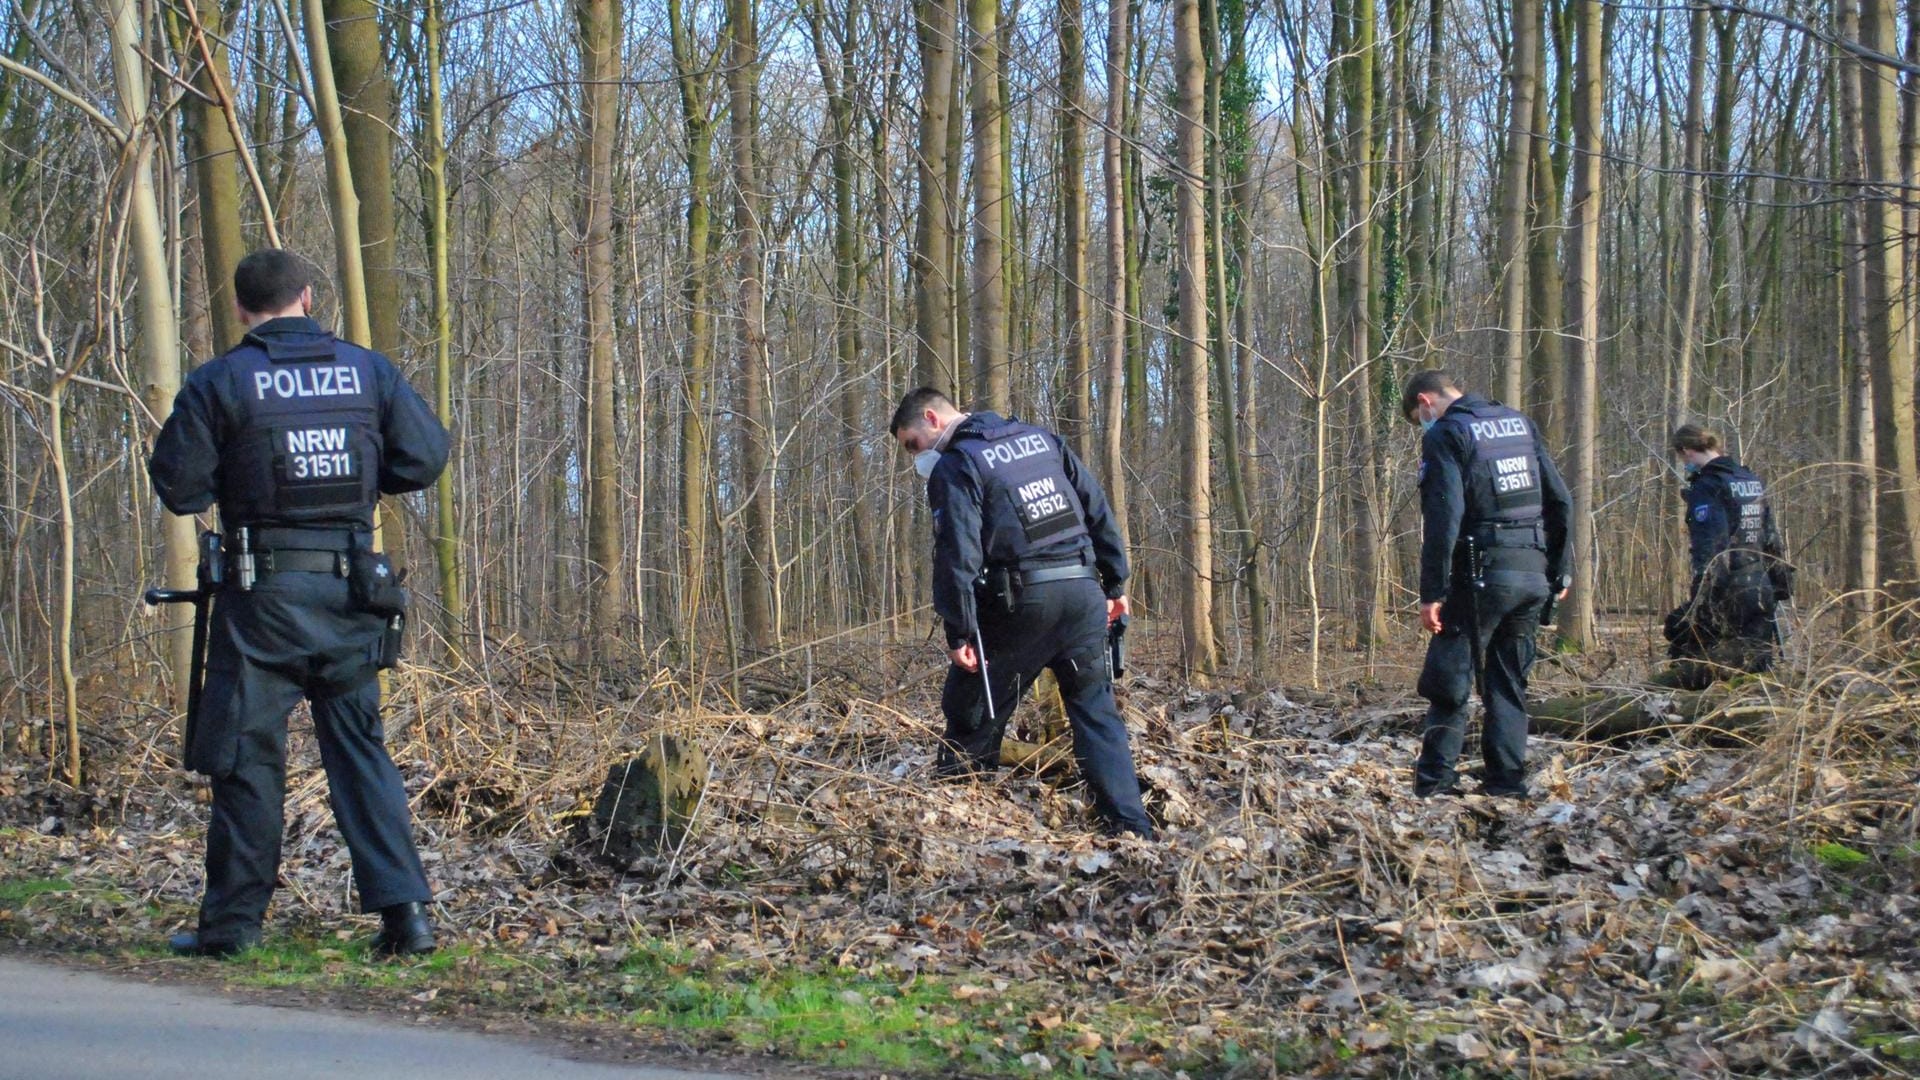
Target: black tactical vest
x=1028, y=508
x=1503, y=479
x=306, y=443
x=1744, y=501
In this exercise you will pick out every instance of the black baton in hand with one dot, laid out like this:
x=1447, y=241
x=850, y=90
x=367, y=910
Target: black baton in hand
x=210, y=574
x=980, y=646
x=197, y=663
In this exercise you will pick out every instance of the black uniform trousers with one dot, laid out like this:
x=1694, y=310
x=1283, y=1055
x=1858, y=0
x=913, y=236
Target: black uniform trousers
x=295, y=635
x=1505, y=614
x=1732, y=627
x=1060, y=625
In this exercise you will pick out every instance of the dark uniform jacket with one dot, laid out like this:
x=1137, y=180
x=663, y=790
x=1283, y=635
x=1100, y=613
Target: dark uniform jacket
x=1734, y=544
x=294, y=427
x=1008, y=495
x=1485, y=477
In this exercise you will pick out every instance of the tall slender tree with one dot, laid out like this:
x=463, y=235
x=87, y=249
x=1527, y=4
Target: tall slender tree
x=1890, y=334
x=1583, y=347
x=1195, y=589
x=158, y=335
x=1523, y=79
x=987, y=325
x=759, y=567
x=600, y=65
x=446, y=532
x=693, y=67
x=1077, y=415
x=358, y=60
x=936, y=22
x=1113, y=392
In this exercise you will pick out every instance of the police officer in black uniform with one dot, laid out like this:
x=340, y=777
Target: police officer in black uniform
x=1493, y=556
x=1028, y=572
x=296, y=434
x=1740, y=572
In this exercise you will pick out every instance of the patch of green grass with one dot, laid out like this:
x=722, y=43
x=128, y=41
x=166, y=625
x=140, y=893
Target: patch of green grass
x=1836, y=856
x=18, y=891
x=836, y=1017
x=1899, y=1047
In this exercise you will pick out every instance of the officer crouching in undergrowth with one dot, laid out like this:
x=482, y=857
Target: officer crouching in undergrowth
x=1028, y=571
x=1740, y=572
x=296, y=435
x=1493, y=557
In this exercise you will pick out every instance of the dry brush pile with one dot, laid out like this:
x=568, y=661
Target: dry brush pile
x=1677, y=906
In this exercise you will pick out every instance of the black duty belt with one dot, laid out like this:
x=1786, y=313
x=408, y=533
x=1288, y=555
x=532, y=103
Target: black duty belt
x=282, y=560
x=1057, y=573
x=1509, y=534
x=281, y=538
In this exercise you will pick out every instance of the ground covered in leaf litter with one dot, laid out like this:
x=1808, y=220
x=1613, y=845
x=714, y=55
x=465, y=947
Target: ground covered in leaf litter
x=1669, y=908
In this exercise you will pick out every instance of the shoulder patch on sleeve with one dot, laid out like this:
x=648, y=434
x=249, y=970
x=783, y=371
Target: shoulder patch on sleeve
x=1702, y=512
x=1421, y=476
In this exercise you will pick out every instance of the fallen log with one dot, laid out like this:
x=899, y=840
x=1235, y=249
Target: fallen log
x=1644, y=711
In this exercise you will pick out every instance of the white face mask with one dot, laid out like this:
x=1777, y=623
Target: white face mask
x=924, y=461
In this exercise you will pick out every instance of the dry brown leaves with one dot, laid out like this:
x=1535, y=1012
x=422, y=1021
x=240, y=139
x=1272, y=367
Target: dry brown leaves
x=1658, y=909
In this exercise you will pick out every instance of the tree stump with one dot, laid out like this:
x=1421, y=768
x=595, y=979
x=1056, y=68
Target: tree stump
x=647, y=803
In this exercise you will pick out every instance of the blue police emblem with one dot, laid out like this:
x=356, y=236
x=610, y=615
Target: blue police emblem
x=1700, y=512
x=1421, y=476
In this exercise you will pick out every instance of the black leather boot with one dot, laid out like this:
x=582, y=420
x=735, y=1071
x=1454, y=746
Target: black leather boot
x=188, y=943
x=405, y=930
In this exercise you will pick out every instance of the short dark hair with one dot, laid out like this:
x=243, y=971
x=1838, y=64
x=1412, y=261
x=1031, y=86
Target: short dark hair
x=269, y=280
x=913, y=405
x=1696, y=438
x=1430, y=381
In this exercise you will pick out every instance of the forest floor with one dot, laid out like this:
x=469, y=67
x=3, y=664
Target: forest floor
x=1731, y=898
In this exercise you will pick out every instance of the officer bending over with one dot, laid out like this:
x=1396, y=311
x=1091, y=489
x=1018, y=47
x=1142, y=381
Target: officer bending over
x=1028, y=570
x=296, y=435
x=1740, y=572
x=1493, y=555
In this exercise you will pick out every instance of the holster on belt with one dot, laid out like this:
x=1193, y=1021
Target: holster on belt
x=998, y=589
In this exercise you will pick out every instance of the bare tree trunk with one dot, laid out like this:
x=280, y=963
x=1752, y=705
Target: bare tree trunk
x=693, y=74
x=1584, y=348
x=759, y=567
x=1424, y=227
x=446, y=533
x=1228, y=179
x=1357, y=34
x=161, y=345
x=838, y=75
x=1889, y=334
x=1198, y=651
x=213, y=151
x=600, y=66
x=1546, y=283
x=1862, y=567
x=1692, y=210
x=340, y=190
x=933, y=287
x=1114, y=393
x=1077, y=417
x=991, y=363
x=1523, y=76
x=359, y=65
